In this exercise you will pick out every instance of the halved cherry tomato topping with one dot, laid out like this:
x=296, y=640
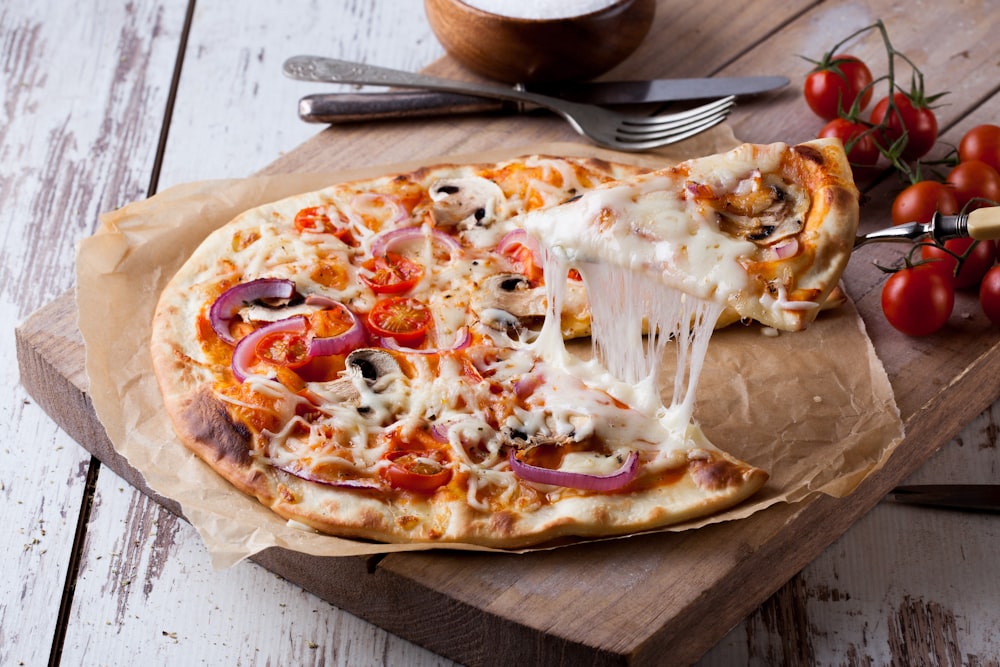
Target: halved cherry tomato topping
x=403, y=318
x=284, y=348
x=391, y=274
x=317, y=220
x=416, y=471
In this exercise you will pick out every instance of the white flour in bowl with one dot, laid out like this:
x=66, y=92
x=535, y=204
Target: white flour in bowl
x=540, y=9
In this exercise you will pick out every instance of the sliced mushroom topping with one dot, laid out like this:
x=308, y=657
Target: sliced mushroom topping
x=339, y=392
x=465, y=203
x=764, y=213
x=511, y=295
x=508, y=297
x=376, y=367
x=370, y=385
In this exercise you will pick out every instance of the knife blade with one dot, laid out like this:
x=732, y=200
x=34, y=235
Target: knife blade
x=350, y=107
x=969, y=497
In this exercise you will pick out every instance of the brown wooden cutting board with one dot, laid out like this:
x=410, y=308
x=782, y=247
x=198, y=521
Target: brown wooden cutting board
x=623, y=601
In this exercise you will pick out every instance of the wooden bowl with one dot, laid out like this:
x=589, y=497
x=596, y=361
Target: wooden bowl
x=531, y=50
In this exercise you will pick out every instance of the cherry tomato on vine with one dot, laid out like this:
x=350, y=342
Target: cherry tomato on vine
x=989, y=295
x=910, y=117
x=919, y=201
x=862, y=151
x=917, y=300
x=974, y=179
x=981, y=143
x=835, y=84
x=402, y=318
x=981, y=256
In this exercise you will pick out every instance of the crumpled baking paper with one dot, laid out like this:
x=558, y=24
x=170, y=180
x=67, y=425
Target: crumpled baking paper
x=813, y=408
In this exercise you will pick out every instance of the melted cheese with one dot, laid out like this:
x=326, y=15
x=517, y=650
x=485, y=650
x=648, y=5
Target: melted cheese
x=627, y=242
x=649, y=227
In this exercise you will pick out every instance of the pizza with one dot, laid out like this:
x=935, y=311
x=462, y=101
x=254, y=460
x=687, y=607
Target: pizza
x=393, y=359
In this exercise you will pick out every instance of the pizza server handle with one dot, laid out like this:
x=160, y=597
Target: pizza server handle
x=354, y=107
x=981, y=224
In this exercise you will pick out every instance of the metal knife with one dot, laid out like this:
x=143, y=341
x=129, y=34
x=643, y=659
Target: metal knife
x=970, y=497
x=349, y=107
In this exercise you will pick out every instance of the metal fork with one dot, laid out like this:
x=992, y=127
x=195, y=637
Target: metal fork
x=625, y=132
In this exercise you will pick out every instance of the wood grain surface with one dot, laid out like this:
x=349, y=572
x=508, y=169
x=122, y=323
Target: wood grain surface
x=102, y=110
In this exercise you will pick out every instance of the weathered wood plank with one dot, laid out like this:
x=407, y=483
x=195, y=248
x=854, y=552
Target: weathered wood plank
x=80, y=104
x=141, y=564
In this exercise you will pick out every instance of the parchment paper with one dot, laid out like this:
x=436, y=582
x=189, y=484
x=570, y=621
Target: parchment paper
x=814, y=408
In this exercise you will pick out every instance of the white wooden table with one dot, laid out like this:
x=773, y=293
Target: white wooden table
x=104, y=103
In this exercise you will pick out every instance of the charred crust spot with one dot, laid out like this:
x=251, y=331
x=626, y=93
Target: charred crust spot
x=208, y=422
x=810, y=154
x=716, y=474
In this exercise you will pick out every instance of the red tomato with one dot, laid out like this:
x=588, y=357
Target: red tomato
x=836, y=84
x=392, y=274
x=919, y=201
x=317, y=220
x=917, y=300
x=914, y=119
x=402, y=318
x=977, y=258
x=974, y=180
x=989, y=295
x=862, y=151
x=284, y=348
x=416, y=471
x=981, y=143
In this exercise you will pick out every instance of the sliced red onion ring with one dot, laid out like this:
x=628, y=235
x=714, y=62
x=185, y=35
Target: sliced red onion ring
x=348, y=341
x=514, y=238
x=439, y=431
x=246, y=348
x=462, y=340
x=372, y=200
x=223, y=309
x=342, y=484
x=786, y=248
x=577, y=480
x=386, y=241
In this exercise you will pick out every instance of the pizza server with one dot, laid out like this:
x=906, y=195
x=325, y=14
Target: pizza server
x=350, y=107
x=981, y=224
